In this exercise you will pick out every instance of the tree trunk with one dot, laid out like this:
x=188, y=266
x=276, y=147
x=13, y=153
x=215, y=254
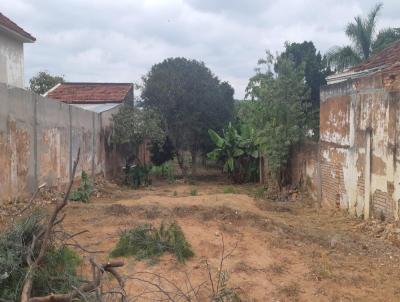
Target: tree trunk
x=181, y=162
x=194, y=163
x=204, y=160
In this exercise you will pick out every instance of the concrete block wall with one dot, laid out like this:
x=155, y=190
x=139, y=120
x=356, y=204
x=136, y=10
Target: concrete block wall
x=39, y=139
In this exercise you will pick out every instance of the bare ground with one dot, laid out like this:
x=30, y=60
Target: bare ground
x=291, y=251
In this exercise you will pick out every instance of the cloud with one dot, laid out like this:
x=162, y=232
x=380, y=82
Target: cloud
x=109, y=40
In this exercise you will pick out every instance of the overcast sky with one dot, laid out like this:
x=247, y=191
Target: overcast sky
x=119, y=40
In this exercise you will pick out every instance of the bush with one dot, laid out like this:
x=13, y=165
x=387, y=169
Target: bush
x=162, y=154
x=84, y=191
x=147, y=242
x=193, y=192
x=165, y=170
x=57, y=273
x=137, y=175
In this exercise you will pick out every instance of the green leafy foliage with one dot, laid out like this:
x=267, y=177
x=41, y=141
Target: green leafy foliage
x=361, y=32
x=147, y=242
x=83, y=192
x=277, y=110
x=190, y=100
x=161, y=154
x=56, y=274
x=384, y=38
x=165, y=170
x=137, y=175
x=307, y=60
x=237, y=151
x=43, y=82
x=134, y=126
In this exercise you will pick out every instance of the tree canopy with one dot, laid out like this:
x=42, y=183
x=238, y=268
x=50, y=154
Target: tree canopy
x=306, y=58
x=190, y=100
x=133, y=126
x=277, y=108
x=43, y=82
x=362, y=34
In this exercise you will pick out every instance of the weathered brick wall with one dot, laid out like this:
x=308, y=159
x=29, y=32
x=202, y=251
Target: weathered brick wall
x=303, y=167
x=359, y=144
x=39, y=139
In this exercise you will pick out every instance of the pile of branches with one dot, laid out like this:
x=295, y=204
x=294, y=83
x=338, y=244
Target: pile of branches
x=31, y=249
x=28, y=248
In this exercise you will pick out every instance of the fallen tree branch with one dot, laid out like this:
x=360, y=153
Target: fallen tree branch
x=32, y=199
x=27, y=286
x=84, y=289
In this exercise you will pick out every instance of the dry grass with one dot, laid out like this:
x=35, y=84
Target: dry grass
x=291, y=290
x=277, y=268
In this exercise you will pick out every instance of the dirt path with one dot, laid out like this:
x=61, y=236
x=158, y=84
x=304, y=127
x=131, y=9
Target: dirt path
x=285, y=252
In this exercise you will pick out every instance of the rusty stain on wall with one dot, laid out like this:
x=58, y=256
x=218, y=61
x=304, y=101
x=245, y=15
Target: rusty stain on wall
x=39, y=138
x=349, y=110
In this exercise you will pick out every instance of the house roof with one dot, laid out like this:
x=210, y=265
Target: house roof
x=90, y=93
x=387, y=61
x=10, y=26
x=384, y=59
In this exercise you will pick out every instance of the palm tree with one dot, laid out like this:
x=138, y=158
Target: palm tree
x=361, y=32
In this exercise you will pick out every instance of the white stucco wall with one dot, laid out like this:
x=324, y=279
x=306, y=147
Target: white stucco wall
x=11, y=60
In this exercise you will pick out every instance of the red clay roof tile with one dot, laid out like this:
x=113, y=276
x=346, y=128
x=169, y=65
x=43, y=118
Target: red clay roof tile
x=7, y=23
x=91, y=93
x=386, y=58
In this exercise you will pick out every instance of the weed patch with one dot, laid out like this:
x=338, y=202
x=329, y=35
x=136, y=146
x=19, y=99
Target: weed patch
x=147, y=242
x=229, y=190
x=84, y=191
x=193, y=192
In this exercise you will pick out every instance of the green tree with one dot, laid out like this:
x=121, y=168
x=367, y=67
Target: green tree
x=43, y=82
x=305, y=57
x=134, y=126
x=190, y=100
x=384, y=38
x=277, y=111
x=362, y=34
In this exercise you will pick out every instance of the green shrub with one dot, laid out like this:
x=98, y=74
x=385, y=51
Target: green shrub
x=147, y=242
x=229, y=190
x=84, y=190
x=193, y=192
x=165, y=170
x=137, y=175
x=56, y=274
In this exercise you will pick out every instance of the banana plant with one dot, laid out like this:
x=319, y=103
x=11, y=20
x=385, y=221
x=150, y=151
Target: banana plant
x=234, y=149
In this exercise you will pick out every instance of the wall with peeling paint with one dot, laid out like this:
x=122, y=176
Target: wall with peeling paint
x=11, y=60
x=359, y=149
x=39, y=138
x=303, y=167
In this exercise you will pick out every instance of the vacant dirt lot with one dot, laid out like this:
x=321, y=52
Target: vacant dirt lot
x=288, y=251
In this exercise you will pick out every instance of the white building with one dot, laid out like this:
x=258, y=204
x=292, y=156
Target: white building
x=12, y=39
